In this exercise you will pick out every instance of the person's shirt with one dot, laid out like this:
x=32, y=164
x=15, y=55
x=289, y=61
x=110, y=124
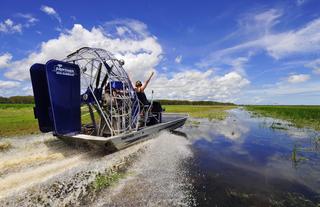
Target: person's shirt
x=142, y=97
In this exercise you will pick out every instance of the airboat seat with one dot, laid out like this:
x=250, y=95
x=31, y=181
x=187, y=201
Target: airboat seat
x=117, y=85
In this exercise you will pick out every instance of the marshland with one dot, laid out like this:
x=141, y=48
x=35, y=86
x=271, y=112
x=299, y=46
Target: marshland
x=225, y=155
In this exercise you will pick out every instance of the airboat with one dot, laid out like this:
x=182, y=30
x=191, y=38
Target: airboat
x=88, y=97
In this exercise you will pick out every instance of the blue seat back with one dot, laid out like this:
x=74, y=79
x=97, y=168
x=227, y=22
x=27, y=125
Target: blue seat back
x=56, y=88
x=64, y=91
x=42, y=109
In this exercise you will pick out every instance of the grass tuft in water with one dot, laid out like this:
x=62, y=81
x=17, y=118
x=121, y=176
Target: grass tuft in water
x=105, y=180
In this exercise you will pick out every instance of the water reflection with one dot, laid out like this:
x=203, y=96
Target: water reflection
x=244, y=160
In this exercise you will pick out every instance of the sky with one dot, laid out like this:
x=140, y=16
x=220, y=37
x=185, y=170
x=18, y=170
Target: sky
x=246, y=52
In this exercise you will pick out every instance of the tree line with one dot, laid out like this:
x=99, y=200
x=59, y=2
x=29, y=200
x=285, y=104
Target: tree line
x=187, y=102
x=17, y=100
x=30, y=100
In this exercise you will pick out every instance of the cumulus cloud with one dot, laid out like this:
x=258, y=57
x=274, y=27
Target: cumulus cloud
x=178, y=59
x=5, y=60
x=298, y=78
x=8, y=26
x=51, y=12
x=199, y=85
x=142, y=54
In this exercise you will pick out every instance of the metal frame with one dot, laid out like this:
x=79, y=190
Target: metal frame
x=99, y=69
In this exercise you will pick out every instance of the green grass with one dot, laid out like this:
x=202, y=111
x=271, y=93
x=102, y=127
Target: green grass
x=105, y=180
x=210, y=112
x=17, y=119
x=300, y=116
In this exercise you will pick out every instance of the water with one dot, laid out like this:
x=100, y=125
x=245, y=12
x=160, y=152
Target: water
x=240, y=161
x=158, y=178
x=243, y=161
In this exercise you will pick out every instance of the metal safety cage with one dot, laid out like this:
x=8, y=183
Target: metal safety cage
x=107, y=93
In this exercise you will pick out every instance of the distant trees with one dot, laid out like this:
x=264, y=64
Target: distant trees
x=186, y=102
x=30, y=100
x=17, y=100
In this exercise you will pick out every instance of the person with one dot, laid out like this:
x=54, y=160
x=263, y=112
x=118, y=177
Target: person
x=139, y=88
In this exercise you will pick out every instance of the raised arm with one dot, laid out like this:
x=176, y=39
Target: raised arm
x=147, y=82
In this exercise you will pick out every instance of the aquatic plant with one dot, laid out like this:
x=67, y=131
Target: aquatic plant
x=294, y=156
x=300, y=116
x=105, y=180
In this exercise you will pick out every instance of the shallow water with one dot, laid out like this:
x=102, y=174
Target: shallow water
x=240, y=161
x=247, y=161
x=158, y=178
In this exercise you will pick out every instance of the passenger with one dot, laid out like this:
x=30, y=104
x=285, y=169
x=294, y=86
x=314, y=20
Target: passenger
x=107, y=97
x=139, y=88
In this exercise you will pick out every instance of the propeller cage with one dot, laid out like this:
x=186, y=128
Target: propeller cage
x=107, y=95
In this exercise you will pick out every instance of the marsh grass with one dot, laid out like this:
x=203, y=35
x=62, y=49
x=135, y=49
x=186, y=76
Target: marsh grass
x=17, y=119
x=300, y=116
x=211, y=112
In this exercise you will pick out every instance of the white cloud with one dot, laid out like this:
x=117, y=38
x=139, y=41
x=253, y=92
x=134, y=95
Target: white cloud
x=239, y=63
x=133, y=29
x=122, y=30
x=8, y=26
x=9, y=88
x=304, y=40
x=199, y=85
x=8, y=84
x=51, y=12
x=31, y=20
x=283, y=93
x=298, y=78
x=178, y=59
x=140, y=55
x=315, y=66
x=259, y=23
x=5, y=60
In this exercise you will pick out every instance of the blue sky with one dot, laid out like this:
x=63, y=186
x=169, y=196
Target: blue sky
x=251, y=52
